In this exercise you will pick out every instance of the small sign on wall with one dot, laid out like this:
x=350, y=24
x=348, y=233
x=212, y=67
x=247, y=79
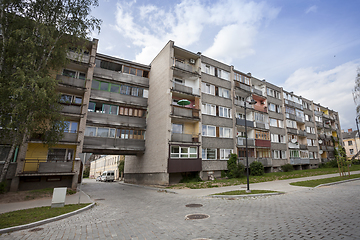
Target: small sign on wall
x=58, y=199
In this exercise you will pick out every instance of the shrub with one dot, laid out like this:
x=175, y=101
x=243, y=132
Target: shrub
x=3, y=187
x=330, y=164
x=190, y=177
x=86, y=172
x=256, y=168
x=223, y=174
x=234, y=170
x=287, y=168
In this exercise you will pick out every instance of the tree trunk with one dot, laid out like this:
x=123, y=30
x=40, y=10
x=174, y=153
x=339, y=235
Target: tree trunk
x=7, y=163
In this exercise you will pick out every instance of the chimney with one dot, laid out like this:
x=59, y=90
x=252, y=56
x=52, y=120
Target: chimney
x=350, y=130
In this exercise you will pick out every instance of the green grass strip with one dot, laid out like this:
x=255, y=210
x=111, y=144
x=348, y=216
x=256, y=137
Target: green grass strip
x=25, y=216
x=317, y=182
x=243, y=192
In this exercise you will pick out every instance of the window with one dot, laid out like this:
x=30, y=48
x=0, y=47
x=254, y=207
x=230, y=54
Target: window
x=183, y=152
x=110, y=109
x=208, y=69
x=304, y=154
x=224, y=112
x=209, y=153
x=225, y=132
x=311, y=142
x=208, y=131
x=276, y=123
x=73, y=74
x=318, y=119
x=277, y=138
x=130, y=134
x=310, y=130
x=273, y=93
x=223, y=92
x=294, y=154
x=108, y=65
x=262, y=135
x=60, y=154
x=208, y=88
x=279, y=154
x=70, y=99
x=222, y=74
x=177, y=128
x=225, y=154
x=135, y=71
x=308, y=118
x=274, y=108
x=291, y=124
x=259, y=117
x=100, y=132
x=240, y=78
x=116, y=88
x=290, y=110
x=350, y=143
x=351, y=151
x=71, y=127
x=263, y=153
x=208, y=109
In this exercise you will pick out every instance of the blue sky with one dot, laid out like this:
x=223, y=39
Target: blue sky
x=311, y=47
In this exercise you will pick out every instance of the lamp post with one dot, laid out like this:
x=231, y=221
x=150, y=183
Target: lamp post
x=246, y=146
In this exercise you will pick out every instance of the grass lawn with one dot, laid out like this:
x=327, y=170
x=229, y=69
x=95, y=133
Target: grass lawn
x=267, y=177
x=20, y=217
x=243, y=192
x=317, y=182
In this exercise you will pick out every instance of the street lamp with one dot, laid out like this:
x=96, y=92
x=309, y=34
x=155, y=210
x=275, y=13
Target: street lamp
x=252, y=102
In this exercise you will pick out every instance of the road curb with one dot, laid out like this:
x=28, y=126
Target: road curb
x=148, y=187
x=246, y=195
x=339, y=182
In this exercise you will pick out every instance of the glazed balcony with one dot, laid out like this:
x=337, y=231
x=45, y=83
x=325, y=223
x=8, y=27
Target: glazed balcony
x=190, y=113
x=293, y=104
x=118, y=98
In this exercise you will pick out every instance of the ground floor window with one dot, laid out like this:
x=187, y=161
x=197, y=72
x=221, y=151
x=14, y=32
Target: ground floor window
x=209, y=153
x=263, y=153
x=242, y=152
x=225, y=154
x=183, y=152
x=60, y=154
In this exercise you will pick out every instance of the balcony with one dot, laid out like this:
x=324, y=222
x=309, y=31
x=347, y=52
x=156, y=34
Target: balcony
x=242, y=86
x=42, y=166
x=71, y=110
x=113, y=146
x=71, y=82
x=328, y=126
x=292, y=131
x=303, y=147
x=295, y=160
x=79, y=57
x=184, y=67
x=71, y=138
x=261, y=125
x=118, y=98
x=185, y=112
x=243, y=160
x=291, y=116
x=302, y=133
x=266, y=162
x=300, y=119
x=121, y=77
x=330, y=148
x=305, y=161
x=241, y=122
x=262, y=143
x=256, y=91
x=314, y=161
x=116, y=120
x=317, y=113
x=242, y=103
x=182, y=137
x=261, y=108
x=241, y=142
x=185, y=89
x=324, y=148
x=293, y=104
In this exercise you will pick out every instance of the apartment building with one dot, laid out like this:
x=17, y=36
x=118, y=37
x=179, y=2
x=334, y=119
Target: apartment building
x=106, y=163
x=351, y=142
x=182, y=114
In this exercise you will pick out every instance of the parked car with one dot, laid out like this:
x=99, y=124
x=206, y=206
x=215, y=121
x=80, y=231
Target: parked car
x=98, y=178
x=107, y=176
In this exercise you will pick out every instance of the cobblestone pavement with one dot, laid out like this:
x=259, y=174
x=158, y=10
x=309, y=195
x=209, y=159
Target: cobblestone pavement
x=130, y=212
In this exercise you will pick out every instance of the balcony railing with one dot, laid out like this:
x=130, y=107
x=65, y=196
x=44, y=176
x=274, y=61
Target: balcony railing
x=185, y=89
x=242, y=86
x=261, y=108
x=305, y=161
x=266, y=162
x=242, y=103
x=242, y=142
x=317, y=113
x=300, y=119
x=256, y=91
x=182, y=137
x=319, y=124
x=185, y=112
x=261, y=125
x=290, y=116
x=78, y=57
x=242, y=160
x=42, y=166
x=295, y=160
x=71, y=109
x=241, y=122
x=184, y=66
x=302, y=133
x=292, y=130
x=70, y=81
x=303, y=146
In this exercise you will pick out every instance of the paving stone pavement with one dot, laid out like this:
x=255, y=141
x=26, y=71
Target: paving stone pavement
x=130, y=212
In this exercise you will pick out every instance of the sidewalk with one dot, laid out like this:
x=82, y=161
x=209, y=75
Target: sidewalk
x=70, y=199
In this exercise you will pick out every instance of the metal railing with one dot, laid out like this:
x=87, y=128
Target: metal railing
x=44, y=166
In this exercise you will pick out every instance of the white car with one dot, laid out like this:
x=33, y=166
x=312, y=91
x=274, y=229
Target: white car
x=98, y=178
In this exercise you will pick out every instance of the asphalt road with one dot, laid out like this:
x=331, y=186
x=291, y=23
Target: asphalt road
x=130, y=212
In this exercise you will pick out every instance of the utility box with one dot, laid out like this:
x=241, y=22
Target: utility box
x=58, y=199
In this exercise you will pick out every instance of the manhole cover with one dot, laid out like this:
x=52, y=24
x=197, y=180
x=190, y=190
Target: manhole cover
x=193, y=205
x=36, y=229
x=99, y=199
x=196, y=216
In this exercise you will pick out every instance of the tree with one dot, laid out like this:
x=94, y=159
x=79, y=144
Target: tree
x=235, y=170
x=36, y=35
x=356, y=93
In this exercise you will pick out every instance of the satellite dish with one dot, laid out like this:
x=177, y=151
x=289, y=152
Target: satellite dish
x=320, y=141
x=293, y=140
x=321, y=152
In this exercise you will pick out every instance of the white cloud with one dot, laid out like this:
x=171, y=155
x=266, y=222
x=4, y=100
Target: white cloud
x=232, y=24
x=331, y=88
x=311, y=9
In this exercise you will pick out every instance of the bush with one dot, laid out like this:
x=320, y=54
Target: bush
x=190, y=177
x=3, y=187
x=330, y=164
x=256, y=169
x=223, y=174
x=86, y=172
x=287, y=167
x=234, y=170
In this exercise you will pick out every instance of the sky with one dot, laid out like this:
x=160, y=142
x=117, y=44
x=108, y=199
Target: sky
x=310, y=47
